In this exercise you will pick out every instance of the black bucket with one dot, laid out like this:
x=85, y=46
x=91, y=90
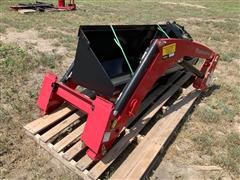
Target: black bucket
x=99, y=64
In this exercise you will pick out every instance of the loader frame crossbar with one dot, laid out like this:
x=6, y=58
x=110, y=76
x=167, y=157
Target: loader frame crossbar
x=106, y=119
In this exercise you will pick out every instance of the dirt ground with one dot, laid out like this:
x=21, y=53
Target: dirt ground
x=207, y=146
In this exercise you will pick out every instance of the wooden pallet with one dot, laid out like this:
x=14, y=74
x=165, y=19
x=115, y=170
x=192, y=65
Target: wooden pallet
x=30, y=11
x=59, y=133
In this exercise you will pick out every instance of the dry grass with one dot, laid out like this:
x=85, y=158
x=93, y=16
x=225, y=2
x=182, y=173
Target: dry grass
x=210, y=136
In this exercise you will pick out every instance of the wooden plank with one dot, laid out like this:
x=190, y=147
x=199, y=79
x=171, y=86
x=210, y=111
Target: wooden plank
x=70, y=165
x=41, y=123
x=102, y=165
x=55, y=115
x=59, y=146
x=26, y=11
x=51, y=10
x=144, y=154
x=175, y=115
x=73, y=151
x=84, y=162
x=59, y=127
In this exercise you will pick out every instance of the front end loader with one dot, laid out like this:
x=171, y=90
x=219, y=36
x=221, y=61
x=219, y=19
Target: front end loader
x=116, y=67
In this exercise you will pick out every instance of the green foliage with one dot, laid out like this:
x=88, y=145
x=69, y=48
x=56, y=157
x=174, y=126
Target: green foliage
x=229, y=56
x=229, y=157
x=15, y=61
x=204, y=142
x=17, y=67
x=208, y=114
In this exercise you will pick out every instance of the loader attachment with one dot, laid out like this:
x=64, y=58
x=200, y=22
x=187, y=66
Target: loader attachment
x=99, y=56
x=119, y=66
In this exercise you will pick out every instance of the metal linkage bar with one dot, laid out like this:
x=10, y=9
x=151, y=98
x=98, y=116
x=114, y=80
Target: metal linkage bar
x=131, y=86
x=191, y=68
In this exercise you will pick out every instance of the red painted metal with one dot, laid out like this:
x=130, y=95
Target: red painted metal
x=47, y=100
x=99, y=111
x=70, y=6
x=207, y=68
x=102, y=128
x=61, y=3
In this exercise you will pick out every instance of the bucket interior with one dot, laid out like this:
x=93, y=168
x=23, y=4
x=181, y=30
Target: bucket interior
x=134, y=41
x=100, y=65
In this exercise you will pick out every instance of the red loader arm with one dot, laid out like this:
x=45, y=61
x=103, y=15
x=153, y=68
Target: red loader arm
x=169, y=53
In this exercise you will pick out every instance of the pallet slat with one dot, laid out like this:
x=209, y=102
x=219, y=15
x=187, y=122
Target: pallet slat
x=59, y=146
x=26, y=11
x=84, y=163
x=59, y=127
x=102, y=165
x=73, y=151
x=71, y=165
x=144, y=154
x=44, y=122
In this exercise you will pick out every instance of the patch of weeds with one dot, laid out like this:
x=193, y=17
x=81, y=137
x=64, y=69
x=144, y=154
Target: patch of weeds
x=222, y=107
x=207, y=114
x=217, y=37
x=3, y=148
x=226, y=110
x=63, y=177
x=16, y=70
x=50, y=35
x=204, y=142
x=3, y=28
x=230, y=26
x=32, y=94
x=49, y=60
x=56, y=44
x=233, y=94
x=3, y=173
x=30, y=46
x=229, y=155
x=217, y=176
x=4, y=114
x=16, y=61
x=229, y=56
x=69, y=41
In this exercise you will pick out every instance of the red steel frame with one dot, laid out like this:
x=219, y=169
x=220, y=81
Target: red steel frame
x=71, y=5
x=102, y=128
